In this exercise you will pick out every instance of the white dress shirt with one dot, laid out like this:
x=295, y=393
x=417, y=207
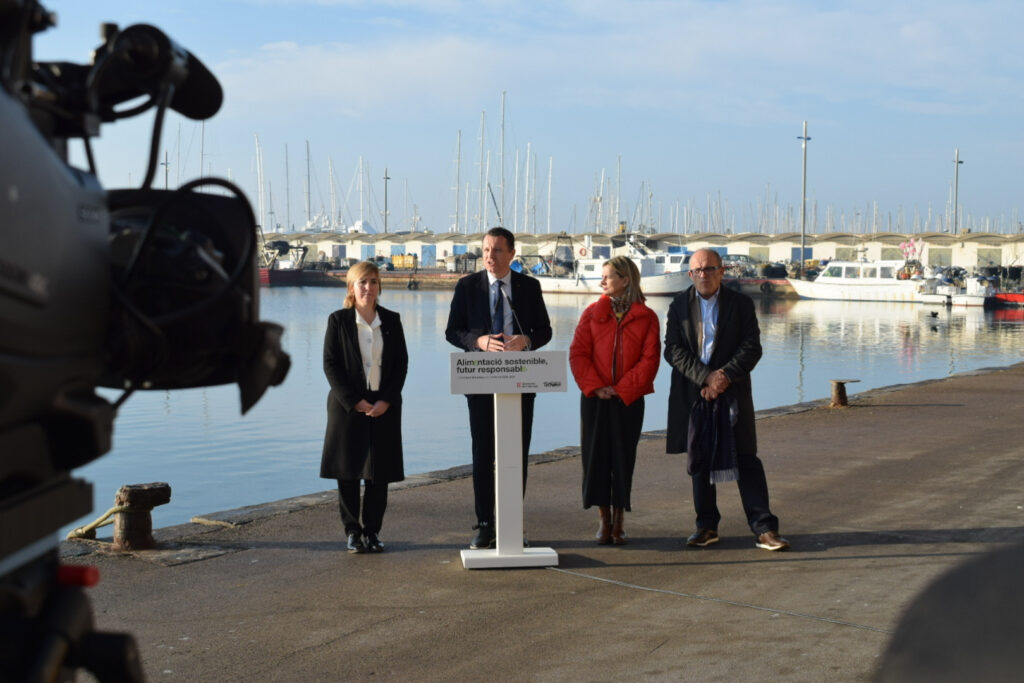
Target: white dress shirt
x=371, y=343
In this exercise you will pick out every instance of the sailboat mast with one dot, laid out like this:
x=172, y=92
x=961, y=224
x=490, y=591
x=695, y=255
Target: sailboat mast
x=270, y=206
x=533, y=202
x=287, y=194
x=331, y=222
x=618, y=190
x=482, y=203
x=362, y=226
x=487, y=185
x=515, y=198
x=526, y=193
x=458, y=171
x=501, y=157
x=551, y=168
x=386, y=179
x=259, y=180
x=309, y=209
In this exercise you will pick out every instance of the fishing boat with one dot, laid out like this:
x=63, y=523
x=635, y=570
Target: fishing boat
x=281, y=264
x=951, y=286
x=661, y=273
x=1010, y=298
x=894, y=281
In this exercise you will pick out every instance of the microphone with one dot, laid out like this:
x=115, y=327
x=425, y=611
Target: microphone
x=200, y=96
x=143, y=59
x=515, y=317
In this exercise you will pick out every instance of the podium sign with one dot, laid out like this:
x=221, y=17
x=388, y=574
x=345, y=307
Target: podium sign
x=511, y=372
x=508, y=375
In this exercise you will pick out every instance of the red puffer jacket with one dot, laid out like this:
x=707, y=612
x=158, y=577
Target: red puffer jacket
x=634, y=344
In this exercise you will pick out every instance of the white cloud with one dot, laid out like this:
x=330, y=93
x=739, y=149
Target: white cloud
x=686, y=53
x=355, y=80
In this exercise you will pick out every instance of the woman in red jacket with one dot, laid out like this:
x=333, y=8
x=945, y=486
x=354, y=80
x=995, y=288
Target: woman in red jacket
x=614, y=357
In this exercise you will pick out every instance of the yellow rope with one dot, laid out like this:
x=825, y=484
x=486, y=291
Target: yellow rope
x=89, y=530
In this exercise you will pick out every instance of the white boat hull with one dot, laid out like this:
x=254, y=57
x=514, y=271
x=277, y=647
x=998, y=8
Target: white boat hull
x=664, y=284
x=894, y=291
x=956, y=299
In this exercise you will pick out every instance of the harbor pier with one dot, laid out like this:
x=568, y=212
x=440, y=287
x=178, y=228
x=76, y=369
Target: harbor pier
x=878, y=500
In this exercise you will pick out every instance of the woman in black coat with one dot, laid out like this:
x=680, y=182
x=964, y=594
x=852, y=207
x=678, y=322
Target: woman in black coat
x=365, y=360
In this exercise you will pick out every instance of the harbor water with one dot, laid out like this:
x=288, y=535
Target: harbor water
x=214, y=459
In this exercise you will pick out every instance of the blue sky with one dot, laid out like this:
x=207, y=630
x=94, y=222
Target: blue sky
x=701, y=100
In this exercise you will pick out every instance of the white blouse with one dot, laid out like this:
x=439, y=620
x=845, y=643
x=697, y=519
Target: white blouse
x=371, y=343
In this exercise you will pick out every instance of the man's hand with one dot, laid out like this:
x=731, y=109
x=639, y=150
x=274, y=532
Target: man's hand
x=708, y=393
x=718, y=381
x=503, y=342
x=363, y=406
x=605, y=392
x=490, y=342
x=516, y=342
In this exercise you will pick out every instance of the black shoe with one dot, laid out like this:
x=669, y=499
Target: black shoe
x=484, y=536
x=373, y=544
x=702, y=538
x=355, y=543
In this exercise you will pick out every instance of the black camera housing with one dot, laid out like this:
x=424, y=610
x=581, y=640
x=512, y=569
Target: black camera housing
x=130, y=289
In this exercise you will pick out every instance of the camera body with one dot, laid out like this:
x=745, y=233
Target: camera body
x=130, y=289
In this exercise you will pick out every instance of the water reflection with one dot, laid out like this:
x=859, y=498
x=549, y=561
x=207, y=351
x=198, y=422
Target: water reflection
x=214, y=459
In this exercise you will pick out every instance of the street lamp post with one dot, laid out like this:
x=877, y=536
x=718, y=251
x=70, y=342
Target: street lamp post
x=803, y=202
x=956, y=190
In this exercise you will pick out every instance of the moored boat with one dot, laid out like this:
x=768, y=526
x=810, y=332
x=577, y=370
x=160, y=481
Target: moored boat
x=661, y=273
x=1010, y=298
x=895, y=281
x=963, y=291
x=281, y=264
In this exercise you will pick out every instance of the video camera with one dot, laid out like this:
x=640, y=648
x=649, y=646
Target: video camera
x=127, y=289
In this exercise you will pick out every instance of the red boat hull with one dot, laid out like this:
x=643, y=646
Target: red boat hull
x=273, y=277
x=1011, y=298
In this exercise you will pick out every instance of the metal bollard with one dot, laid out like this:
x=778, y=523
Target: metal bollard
x=133, y=527
x=839, y=393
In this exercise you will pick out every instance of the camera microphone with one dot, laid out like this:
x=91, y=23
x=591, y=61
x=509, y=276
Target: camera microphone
x=200, y=96
x=143, y=59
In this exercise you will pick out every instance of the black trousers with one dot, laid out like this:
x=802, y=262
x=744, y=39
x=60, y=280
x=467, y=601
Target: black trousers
x=375, y=501
x=753, y=494
x=481, y=427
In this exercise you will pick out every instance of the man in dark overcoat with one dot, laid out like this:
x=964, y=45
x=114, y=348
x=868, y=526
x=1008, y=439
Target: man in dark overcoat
x=494, y=310
x=712, y=343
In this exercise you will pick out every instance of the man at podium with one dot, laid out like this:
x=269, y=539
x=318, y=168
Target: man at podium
x=495, y=310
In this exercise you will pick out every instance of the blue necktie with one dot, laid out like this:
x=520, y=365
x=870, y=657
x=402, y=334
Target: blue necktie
x=498, y=321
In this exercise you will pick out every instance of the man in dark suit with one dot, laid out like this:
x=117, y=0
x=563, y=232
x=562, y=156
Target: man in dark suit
x=494, y=310
x=713, y=342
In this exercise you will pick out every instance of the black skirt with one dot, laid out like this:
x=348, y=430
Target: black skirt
x=610, y=431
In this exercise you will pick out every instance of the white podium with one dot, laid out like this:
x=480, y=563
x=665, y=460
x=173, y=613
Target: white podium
x=508, y=376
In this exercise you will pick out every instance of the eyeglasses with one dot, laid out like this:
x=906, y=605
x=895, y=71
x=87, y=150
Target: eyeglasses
x=709, y=270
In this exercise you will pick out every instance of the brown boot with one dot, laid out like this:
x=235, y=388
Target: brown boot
x=604, y=532
x=618, y=534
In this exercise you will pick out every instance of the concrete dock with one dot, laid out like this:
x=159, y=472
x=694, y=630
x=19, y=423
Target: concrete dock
x=877, y=499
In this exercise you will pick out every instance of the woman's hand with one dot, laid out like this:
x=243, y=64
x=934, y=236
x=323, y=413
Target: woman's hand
x=378, y=409
x=605, y=392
